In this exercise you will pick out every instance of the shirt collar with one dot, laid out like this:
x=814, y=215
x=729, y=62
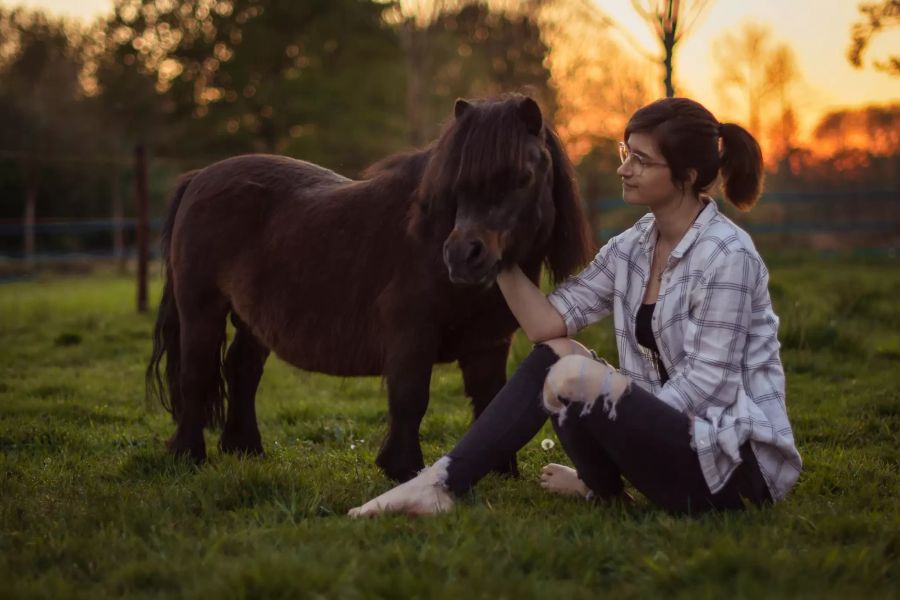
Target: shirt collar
x=709, y=212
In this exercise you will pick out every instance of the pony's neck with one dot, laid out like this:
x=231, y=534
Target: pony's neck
x=404, y=169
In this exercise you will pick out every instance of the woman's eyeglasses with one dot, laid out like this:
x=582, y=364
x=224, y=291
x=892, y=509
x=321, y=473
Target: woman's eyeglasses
x=638, y=161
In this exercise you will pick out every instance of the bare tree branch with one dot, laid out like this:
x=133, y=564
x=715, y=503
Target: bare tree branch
x=878, y=17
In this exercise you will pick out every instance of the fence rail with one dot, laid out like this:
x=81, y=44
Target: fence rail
x=870, y=216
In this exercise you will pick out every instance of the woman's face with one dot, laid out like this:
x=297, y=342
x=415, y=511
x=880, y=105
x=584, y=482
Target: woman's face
x=646, y=179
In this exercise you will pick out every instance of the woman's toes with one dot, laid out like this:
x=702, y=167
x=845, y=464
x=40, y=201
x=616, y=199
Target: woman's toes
x=561, y=479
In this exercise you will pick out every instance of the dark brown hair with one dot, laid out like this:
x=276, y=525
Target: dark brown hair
x=688, y=138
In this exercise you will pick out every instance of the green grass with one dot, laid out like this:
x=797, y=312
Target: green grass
x=91, y=506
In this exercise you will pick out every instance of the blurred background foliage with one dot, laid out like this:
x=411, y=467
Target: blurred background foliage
x=345, y=82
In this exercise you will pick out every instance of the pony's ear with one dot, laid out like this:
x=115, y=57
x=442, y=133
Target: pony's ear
x=530, y=113
x=460, y=108
x=570, y=245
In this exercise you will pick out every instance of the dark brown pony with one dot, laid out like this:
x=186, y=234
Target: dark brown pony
x=383, y=276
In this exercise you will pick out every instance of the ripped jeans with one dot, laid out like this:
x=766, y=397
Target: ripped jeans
x=648, y=443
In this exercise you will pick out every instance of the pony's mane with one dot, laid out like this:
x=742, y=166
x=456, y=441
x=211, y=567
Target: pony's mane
x=408, y=164
x=485, y=146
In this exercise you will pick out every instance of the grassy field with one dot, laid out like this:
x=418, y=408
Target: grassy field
x=91, y=506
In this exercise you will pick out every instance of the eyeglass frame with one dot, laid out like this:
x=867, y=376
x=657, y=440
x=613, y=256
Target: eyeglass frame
x=625, y=155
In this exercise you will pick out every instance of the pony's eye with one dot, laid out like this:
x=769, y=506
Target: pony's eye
x=524, y=180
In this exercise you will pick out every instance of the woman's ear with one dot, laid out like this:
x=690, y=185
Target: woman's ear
x=688, y=182
x=692, y=177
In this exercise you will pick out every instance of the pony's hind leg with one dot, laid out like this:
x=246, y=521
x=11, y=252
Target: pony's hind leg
x=243, y=369
x=202, y=388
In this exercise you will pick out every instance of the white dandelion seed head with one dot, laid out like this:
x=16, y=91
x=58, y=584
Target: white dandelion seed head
x=547, y=443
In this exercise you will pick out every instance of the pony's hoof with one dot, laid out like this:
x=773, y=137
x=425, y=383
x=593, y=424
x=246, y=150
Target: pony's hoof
x=241, y=447
x=177, y=447
x=402, y=473
x=399, y=467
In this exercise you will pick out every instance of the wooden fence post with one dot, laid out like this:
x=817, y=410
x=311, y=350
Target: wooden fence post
x=142, y=225
x=30, y=202
x=118, y=215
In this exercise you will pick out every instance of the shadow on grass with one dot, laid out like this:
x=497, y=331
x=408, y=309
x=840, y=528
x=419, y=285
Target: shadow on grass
x=155, y=463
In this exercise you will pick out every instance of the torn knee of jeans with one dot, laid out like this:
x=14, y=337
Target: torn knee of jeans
x=552, y=403
x=611, y=399
x=578, y=379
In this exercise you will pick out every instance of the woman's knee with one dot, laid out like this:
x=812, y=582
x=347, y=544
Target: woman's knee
x=566, y=347
x=577, y=378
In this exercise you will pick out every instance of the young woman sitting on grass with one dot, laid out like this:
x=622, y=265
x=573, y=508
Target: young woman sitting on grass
x=695, y=417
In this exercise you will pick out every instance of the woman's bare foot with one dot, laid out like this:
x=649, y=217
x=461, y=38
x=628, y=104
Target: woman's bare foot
x=564, y=480
x=424, y=494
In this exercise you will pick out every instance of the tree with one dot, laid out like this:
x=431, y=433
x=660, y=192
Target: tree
x=415, y=19
x=781, y=73
x=466, y=48
x=759, y=72
x=46, y=126
x=598, y=85
x=878, y=16
x=319, y=79
x=479, y=51
x=670, y=21
x=874, y=129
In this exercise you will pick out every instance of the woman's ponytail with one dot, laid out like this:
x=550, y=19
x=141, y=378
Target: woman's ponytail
x=741, y=166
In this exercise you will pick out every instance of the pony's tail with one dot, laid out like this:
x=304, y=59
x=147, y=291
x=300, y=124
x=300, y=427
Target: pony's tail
x=165, y=387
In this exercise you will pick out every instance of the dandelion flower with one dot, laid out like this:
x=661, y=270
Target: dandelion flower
x=547, y=444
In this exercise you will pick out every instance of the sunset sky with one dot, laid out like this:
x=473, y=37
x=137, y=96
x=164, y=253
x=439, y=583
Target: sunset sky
x=817, y=30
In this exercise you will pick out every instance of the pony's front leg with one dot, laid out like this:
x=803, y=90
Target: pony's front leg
x=408, y=383
x=484, y=375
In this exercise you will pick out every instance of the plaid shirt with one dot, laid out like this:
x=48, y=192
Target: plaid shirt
x=717, y=337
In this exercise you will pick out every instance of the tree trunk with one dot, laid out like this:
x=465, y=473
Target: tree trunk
x=669, y=45
x=416, y=49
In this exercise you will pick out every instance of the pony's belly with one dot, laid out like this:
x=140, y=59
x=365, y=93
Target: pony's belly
x=331, y=357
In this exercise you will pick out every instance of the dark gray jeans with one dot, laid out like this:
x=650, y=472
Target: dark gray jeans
x=648, y=444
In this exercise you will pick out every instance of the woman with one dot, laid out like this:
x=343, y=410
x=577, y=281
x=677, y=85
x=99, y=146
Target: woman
x=695, y=418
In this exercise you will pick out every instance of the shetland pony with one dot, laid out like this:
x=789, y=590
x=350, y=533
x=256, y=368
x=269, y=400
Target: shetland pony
x=386, y=275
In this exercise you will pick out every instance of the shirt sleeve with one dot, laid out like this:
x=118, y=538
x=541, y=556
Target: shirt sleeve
x=587, y=297
x=719, y=320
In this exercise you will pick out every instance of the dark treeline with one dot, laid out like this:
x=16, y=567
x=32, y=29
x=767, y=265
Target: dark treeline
x=338, y=82
x=323, y=80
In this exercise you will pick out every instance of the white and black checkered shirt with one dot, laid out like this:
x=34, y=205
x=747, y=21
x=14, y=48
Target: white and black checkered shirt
x=717, y=337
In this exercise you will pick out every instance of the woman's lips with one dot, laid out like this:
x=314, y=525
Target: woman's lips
x=628, y=186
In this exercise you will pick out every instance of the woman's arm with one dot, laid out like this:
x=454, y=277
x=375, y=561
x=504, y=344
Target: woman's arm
x=538, y=318
x=579, y=301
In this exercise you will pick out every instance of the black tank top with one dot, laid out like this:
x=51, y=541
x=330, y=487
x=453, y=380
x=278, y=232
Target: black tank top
x=644, y=332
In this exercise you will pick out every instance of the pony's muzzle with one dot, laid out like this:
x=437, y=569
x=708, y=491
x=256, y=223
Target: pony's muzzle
x=469, y=259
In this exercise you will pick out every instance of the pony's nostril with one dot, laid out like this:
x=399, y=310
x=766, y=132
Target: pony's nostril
x=476, y=251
